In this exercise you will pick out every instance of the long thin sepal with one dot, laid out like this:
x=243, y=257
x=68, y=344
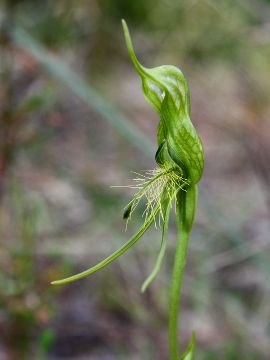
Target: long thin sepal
x=114, y=255
x=162, y=249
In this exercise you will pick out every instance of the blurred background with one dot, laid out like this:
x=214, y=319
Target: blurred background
x=74, y=122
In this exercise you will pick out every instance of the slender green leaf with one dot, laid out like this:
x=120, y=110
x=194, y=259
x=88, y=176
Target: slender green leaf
x=189, y=353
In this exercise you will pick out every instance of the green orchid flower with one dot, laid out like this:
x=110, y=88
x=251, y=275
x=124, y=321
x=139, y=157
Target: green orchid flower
x=180, y=163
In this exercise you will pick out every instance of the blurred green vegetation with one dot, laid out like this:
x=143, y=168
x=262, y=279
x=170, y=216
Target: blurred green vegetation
x=73, y=122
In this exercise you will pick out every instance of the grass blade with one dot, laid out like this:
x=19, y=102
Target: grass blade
x=61, y=71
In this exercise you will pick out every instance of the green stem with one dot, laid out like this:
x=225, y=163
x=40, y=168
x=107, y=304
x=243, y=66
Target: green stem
x=185, y=211
x=176, y=284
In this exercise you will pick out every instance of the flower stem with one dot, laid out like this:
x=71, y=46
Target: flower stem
x=176, y=284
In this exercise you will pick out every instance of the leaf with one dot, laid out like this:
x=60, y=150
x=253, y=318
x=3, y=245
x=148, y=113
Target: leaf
x=47, y=339
x=189, y=353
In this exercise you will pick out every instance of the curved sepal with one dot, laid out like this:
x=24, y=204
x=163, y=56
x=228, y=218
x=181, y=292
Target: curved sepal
x=114, y=255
